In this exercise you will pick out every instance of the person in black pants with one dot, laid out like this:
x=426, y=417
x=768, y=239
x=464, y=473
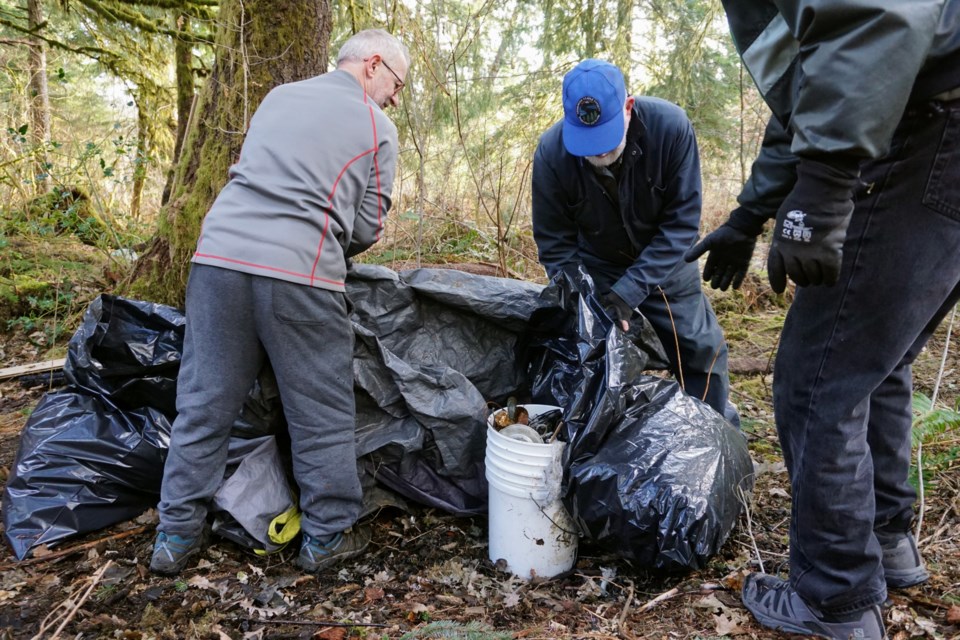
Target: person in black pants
x=860, y=168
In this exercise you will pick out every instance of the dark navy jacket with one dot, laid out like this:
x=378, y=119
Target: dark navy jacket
x=634, y=245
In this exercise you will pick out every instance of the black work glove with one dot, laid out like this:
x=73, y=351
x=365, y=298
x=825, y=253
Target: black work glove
x=618, y=310
x=731, y=247
x=812, y=225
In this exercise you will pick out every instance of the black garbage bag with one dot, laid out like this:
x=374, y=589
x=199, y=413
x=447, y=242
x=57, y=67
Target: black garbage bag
x=92, y=454
x=82, y=465
x=650, y=473
x=667, y=483
x=567, y=340
x=128, y=353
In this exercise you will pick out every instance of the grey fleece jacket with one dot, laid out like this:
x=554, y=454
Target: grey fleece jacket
x=312, y=186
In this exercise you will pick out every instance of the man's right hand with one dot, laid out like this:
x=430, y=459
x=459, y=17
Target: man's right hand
x=730, y=252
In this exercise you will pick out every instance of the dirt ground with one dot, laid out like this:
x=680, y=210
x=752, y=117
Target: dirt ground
x=427, y=575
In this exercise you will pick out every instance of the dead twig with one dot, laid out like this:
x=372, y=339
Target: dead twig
x=746, y=512
x=676, y=338
x=56, y=555
x=73, y=606
x=933, y=401
x=666, y=595
x=315, y=623
x=621, y=621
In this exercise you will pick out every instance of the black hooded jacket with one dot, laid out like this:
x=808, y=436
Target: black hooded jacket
x=632, y=242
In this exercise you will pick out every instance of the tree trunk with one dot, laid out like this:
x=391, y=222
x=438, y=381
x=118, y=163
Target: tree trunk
x=260, y=44
x=140, y=160
x=39, y=100
x=183, y=63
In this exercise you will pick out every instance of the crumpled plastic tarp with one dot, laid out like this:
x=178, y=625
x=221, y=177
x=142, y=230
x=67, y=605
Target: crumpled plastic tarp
x=433, y=346
x=651, y=473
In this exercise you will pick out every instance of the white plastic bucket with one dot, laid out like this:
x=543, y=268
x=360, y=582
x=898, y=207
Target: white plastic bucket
x=529, y=528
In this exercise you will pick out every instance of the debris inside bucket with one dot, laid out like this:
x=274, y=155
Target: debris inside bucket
x=545, y=423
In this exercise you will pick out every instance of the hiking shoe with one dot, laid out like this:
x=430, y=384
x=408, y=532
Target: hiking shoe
x=902, y=564
x=316, y=556
x=172, y=552
x=776, y=605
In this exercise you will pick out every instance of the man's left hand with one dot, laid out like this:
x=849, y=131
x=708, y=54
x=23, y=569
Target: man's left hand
x=618, y=310
x=811, y=227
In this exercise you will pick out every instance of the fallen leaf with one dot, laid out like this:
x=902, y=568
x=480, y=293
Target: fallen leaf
x=150, y=516
x=41, y=551
x=710, y=602
x=372, y=594
x=331, y=633
x=475, y=611
x=452, y=600
x=729, y=623
x=511, y=600
x=953, y=614
x=201, y=583
x=777, y=491
x=264, y=612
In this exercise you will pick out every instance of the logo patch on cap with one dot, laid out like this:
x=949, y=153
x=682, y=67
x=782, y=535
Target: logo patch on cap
x=588, y=110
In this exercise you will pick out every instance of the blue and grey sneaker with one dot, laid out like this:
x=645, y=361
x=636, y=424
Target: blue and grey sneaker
x=902, y=564
x=172, y=552
x=775, y=604
x=316, y=555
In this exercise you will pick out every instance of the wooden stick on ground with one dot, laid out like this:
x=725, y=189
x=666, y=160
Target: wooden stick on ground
x=666, y=595
x=35, y=367
x=316, y=623
x=70, y=550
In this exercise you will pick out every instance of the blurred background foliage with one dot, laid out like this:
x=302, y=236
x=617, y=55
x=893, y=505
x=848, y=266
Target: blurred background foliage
x=98, y=95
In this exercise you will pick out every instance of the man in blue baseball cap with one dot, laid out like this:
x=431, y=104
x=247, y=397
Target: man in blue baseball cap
x=616, y=189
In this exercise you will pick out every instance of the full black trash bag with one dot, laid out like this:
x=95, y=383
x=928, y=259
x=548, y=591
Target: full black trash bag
x=666, y=484
x=128, y=353
x=92, y=454
x=651, y=473
x=82, y=465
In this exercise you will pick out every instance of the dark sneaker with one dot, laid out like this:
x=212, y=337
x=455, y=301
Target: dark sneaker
x=315, y=556
x=776, y=605
x=172, y=552
x=902, y=564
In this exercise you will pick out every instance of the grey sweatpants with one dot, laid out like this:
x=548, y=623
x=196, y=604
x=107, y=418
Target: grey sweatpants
x=234, y=321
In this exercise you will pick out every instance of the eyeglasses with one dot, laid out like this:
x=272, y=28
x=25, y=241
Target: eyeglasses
x=400, y=83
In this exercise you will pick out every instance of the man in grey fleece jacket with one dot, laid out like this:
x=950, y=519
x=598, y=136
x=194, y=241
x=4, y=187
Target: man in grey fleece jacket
x=311, y=189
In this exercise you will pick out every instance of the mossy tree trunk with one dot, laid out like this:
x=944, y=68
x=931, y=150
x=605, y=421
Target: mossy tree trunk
x=183, y=66
x=39, y=99
x=260, y=44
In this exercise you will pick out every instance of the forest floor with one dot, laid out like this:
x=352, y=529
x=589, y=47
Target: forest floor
x=427, y=574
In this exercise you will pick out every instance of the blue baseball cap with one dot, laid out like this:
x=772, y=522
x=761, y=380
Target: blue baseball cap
x=593, y=97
